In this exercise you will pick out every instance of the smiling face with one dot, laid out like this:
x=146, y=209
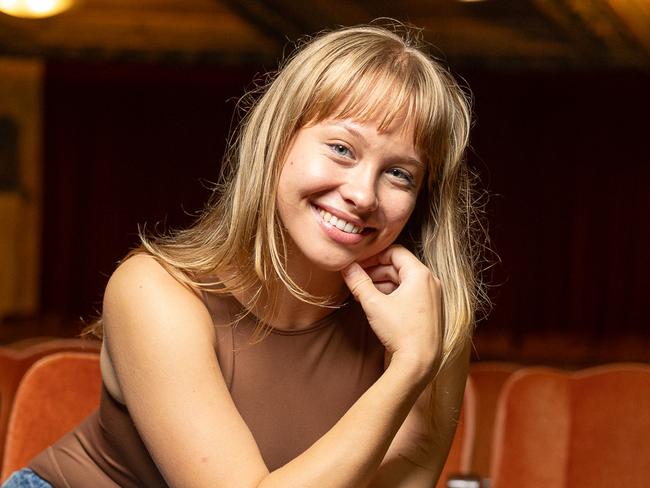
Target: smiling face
x=346, y=191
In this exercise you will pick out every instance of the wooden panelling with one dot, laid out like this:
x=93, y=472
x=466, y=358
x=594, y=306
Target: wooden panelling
x=520, y=34
x=20, y=197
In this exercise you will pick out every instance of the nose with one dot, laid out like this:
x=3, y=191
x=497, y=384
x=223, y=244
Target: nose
x=360, y=190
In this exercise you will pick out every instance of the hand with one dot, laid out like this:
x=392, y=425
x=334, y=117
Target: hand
x=402, y=301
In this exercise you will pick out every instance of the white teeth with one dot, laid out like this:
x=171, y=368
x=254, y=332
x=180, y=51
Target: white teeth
x=339, y=223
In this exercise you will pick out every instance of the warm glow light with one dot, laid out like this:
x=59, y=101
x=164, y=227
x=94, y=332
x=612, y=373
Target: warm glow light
x=34, y=8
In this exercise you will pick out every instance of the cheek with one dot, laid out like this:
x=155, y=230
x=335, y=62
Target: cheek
x=313, y=177
x=398, y=218
x=400, y=211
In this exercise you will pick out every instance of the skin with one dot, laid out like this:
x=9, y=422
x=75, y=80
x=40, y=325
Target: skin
x=160, y=360
x=365, y=176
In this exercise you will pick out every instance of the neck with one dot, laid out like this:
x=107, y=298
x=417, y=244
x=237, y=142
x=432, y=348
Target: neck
x=292, y=313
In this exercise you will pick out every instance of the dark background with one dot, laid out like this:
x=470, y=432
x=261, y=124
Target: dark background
x=563, y=154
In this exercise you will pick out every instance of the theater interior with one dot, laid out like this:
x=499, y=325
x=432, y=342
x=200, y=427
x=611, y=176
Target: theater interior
x=115, y=114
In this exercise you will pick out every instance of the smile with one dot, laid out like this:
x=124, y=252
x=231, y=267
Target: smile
x=338, y=229
x=339, y=223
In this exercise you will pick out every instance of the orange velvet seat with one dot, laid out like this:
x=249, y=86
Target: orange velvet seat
x=488, y=378
x=587, y=428
x=55, y=394
x=16, y=358
x=459, y=459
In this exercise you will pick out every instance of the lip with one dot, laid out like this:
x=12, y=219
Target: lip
x=335, y=233
x=341, y=215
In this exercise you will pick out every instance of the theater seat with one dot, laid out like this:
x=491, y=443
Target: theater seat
x=15, y=360
x=488, y=378
x=54, y=395
x=590, y=428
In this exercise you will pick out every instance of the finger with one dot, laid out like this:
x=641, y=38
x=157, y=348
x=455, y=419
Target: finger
x=371, y=261
x=383, y=273
x=386, y=287
x=382, y=257
x=359, y=283
x=398, y=256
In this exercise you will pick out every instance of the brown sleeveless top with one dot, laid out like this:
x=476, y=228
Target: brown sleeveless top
x=290, y=389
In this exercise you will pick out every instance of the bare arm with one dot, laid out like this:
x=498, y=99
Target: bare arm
x=416, y=456
x=160, y=341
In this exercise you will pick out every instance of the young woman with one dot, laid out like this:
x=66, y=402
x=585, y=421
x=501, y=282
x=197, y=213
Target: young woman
x=312, y=328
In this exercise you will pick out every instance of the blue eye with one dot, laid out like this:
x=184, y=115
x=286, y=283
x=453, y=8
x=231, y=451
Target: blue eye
x=341, y=150
x=402, y=175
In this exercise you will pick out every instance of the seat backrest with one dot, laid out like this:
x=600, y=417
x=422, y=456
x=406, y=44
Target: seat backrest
x=459, y=459
x=559, y=429
x=55, y=394
x=15, y=360
x=488, y=378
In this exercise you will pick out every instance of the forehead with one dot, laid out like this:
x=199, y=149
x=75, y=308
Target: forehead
x=352, y=111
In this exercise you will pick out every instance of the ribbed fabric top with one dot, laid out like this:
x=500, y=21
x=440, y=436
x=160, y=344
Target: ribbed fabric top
x=290, y=388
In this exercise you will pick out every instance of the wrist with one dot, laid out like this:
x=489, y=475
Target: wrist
x=419, y=367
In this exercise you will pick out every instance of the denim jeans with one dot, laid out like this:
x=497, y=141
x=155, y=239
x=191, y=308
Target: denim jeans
x=26, y=478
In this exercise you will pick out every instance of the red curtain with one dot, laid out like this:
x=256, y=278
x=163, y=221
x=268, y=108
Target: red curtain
x=124, y=145
x=564, y=155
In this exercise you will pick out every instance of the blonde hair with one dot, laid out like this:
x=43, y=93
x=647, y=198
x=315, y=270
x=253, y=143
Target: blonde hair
x=363, y=73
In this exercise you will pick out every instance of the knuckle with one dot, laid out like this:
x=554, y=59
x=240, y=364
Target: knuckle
x=423, y=272
x=432, y=279
x=358, y=286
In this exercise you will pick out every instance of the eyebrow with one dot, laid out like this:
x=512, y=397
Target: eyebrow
x=346, y=125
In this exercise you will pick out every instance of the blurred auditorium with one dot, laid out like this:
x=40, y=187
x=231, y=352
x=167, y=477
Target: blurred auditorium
x=114, y=117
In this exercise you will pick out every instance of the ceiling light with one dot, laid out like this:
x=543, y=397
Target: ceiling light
x=34, y=9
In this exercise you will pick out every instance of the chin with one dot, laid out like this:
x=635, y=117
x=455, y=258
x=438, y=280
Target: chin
x=333, y=266
x=332, y=263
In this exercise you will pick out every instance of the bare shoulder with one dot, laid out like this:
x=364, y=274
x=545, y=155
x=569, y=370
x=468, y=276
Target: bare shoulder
x=143, y=293
x=143, y=272
x=151, y=319
x=146, y=308
x=159, y=350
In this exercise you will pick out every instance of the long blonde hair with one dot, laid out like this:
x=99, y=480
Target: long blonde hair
x=361, y=73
